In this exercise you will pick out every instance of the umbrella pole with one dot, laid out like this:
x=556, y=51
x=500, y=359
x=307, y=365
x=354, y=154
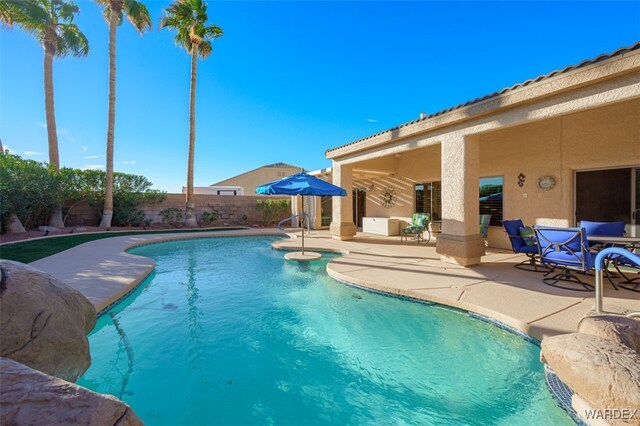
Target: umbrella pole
x=303, y=217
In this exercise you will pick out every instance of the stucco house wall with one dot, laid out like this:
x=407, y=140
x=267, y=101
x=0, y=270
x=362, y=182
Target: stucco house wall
x=254, y=178
x=607, y=137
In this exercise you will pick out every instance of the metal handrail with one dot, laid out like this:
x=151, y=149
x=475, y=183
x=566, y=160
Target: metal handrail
x=293, y=217
x=600, y=265
x=304, y=214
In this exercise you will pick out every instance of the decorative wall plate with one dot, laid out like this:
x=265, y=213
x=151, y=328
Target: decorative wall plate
x=546, y=183
x=388, y=197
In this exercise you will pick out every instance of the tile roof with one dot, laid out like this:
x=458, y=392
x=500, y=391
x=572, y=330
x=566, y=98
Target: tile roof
x=280, y=165
x=584, y=63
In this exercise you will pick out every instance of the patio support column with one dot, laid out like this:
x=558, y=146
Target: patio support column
x=342, y=226
x=460, y=241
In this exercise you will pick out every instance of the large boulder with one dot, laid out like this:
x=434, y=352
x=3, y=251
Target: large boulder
x=29, y=397
x=617, y=328
x=603, y=372
x=44, y=323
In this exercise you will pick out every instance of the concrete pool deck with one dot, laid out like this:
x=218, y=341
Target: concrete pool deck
x=103, y=272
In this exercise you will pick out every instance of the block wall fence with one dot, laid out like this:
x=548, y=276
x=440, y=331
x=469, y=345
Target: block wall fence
x=230, y=209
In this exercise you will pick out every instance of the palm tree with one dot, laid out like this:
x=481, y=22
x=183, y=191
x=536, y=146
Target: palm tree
x=189, y=19
x=51, y=22
x=138, y=15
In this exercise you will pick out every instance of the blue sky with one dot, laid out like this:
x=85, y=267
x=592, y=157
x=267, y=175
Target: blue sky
x=288, y=79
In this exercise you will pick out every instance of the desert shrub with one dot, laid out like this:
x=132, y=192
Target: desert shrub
x=28, y=188
x=172, y=216
x=209, y=217
x=273, y=209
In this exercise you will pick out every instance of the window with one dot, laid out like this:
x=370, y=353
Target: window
x=491, y=198
x=429, y=199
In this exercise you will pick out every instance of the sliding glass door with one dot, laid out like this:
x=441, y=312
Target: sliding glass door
x=608, y=196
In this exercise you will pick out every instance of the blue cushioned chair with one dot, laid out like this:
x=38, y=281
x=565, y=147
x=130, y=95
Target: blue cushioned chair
x=612, y=229
x=484, y=224
x=520, y=246
x=418, y=226
x=565, y=249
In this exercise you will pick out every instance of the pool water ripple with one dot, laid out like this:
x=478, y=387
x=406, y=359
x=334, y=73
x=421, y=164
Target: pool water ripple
x=225, y=331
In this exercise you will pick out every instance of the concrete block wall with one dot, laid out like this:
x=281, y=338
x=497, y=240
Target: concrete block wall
x=82, y=214
x=230, y=209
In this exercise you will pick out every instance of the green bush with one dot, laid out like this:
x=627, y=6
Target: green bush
x=31, y=189
x=172, y=216
x=209, y=217
x=273, y=209
x=27, y=188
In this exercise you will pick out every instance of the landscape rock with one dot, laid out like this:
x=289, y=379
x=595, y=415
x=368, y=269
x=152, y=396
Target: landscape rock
x=29, y=397
x=48, y=229
x=14, y=226
x=43, y=322
x=617, y=328
x=605, y=373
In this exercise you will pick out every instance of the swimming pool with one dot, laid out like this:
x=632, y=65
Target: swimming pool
x=225, y=331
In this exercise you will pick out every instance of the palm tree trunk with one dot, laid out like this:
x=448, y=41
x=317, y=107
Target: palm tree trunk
x=190, y=217
x=54, y=158
x=107, y=210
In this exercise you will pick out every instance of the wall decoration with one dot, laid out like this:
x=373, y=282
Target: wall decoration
x=521, y=178
x=388, y=197
x=546, y=183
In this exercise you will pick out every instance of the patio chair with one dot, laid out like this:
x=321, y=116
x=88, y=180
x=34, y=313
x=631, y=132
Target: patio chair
x=564, y=249
x=418, y=226
x=484, y=224
x=523, y=241
x=613, y=229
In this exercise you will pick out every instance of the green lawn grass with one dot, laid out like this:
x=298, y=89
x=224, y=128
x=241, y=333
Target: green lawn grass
x=30, y=251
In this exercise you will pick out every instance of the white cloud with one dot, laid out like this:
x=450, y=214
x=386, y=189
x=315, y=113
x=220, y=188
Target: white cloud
x=93, y=157
x=372, y=120
x=128, y=162
x=83, y=149
x=7, y=149
x=41, y=124
x=32, y=153
x=93, y=167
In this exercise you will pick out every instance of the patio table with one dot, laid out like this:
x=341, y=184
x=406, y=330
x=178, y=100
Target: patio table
x=630, y=242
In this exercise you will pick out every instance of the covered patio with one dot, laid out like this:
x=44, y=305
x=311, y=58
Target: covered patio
x=554, y=150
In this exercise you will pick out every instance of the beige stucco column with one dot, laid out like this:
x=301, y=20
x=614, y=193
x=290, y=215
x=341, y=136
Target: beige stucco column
x=342, y=227
x=460, y=241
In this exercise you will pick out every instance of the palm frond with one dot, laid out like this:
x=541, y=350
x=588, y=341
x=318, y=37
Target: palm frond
x=66, y=10
x=32, y=16
x=7, y=13
x=71, y=41
x=189, y=19
x=212, y=32
x=205, y=49
x=138, y=15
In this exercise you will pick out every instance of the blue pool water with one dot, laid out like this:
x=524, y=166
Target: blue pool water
x=225, y=331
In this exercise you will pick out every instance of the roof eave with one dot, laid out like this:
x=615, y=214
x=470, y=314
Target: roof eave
x=551, y=84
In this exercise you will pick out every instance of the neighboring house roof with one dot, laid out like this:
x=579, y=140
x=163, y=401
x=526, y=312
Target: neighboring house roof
x=268, y=166
x=280, y=165
x=584, y=63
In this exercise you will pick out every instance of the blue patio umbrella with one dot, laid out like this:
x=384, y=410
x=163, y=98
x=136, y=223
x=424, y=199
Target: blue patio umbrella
x=301, y=184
